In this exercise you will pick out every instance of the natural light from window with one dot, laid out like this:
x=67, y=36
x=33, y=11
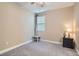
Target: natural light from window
x=40, y=23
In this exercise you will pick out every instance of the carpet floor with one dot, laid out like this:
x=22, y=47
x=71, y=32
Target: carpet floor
x=41, y=49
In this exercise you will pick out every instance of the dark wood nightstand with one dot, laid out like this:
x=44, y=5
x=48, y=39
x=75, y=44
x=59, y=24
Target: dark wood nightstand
x=68, y=42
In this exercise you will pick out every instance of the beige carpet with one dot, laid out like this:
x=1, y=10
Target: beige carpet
x=41, y=49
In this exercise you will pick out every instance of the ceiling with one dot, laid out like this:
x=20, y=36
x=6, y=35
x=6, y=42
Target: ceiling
x=48, y=6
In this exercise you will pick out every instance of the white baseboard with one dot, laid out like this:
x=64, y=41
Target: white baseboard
x=11, y=48
x=77, y=51
x=51, y=41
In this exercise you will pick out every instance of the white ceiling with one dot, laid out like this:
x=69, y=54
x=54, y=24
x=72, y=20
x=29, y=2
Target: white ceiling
x=48, y=6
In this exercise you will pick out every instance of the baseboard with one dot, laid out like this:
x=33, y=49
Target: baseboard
x=51, y=41
x=11, y=48
x=77, y=51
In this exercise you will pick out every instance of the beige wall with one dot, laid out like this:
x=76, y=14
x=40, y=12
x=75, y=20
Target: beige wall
x=76, y=18
x=16, y=25
x=55, y=23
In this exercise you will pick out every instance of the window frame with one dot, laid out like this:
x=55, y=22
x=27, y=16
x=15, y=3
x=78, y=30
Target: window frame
x=41, y=23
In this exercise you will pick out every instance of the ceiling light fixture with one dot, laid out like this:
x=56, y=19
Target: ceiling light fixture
x=38, y=4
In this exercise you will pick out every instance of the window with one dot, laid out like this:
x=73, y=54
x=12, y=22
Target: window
x=40, y=23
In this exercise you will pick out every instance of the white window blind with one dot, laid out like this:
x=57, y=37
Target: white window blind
x=40, y=23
